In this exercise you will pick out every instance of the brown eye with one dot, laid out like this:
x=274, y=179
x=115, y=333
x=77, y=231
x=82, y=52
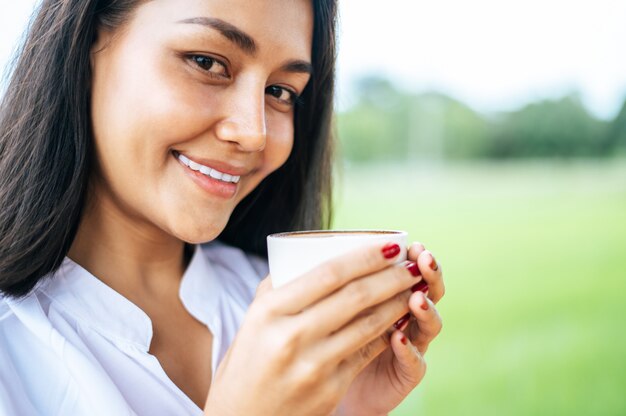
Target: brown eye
x=210, y=65
x=281, y=94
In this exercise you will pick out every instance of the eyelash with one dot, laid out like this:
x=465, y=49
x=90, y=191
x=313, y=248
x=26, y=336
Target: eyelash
x=196, y=58
x=294, y=98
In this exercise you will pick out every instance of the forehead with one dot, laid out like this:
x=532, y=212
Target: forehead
x=276, y=26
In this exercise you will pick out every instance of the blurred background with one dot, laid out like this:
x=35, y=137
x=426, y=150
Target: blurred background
x=495, y=133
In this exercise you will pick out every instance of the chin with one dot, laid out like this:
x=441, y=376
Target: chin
x=196, y=232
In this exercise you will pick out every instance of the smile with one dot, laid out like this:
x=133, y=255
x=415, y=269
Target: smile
x=210, y=172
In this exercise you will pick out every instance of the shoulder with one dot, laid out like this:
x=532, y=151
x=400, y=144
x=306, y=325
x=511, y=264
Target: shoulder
x=30, y=351
x=21, y=318
x=38, y=345
x=25, y=326
x=5, y=311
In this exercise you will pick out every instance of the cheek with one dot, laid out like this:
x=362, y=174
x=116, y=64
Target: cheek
x=280, y=139
x=144, y=102
x=280, y=133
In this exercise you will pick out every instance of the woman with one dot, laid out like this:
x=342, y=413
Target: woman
x=132, y=132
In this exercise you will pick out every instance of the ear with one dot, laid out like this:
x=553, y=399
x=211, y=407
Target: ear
x=102, y=38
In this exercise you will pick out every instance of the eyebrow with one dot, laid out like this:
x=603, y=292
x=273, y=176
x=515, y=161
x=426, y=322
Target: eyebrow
x=245, y=41
x=229, y=31
x=298, y=66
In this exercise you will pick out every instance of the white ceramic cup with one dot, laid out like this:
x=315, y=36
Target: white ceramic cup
x=290, y=255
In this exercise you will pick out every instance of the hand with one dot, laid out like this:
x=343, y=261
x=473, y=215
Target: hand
x=391, y=376
x=301, y=345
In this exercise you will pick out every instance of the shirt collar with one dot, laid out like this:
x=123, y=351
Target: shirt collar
x=97, y=305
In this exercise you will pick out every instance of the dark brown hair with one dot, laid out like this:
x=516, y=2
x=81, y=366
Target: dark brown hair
x=46, y=144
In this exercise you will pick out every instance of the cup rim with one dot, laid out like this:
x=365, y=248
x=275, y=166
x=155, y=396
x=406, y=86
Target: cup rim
x=342, y=231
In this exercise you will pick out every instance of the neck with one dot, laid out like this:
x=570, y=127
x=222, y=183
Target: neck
x=126, y=252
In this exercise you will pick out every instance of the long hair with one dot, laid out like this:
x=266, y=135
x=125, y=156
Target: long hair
x=298, y=195
x=47, y=156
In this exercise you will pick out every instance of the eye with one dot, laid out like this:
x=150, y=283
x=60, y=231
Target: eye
x=210, y=65
x=282, y=94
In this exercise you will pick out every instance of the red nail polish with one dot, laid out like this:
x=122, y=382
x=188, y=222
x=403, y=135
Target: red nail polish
x=412, y=267
x=403, y=340
x=391, y=250
x=425, y=305
x=400, y=322
x=433, y=264
x=421, y=286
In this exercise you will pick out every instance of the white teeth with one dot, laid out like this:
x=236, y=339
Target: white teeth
x=225, y=177
x=183, y=159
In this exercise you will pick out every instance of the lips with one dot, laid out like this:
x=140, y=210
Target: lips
x=206, y=170
x=217, y=178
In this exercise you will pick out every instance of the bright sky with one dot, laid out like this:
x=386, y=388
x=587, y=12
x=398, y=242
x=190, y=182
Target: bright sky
x=492, y=54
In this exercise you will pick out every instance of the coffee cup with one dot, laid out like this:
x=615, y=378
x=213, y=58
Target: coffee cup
x=292, y=254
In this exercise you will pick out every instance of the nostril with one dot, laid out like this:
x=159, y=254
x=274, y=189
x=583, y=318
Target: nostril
x=248, y=136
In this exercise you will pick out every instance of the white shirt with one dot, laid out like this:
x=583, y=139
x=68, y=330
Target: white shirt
x=74, y=346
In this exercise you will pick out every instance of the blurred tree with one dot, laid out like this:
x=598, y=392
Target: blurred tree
x=376, y=127
x=389, y=124
x=616, y=137
x=551, y=128
x=462, y=132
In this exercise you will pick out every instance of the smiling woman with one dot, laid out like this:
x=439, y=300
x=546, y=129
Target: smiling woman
x=147, y=148
x=202, y=88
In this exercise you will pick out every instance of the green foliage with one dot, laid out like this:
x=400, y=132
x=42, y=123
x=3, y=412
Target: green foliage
x=376, y=129
x=616, y=139
x=462, y=131
x=561, y=128
x=390, y=124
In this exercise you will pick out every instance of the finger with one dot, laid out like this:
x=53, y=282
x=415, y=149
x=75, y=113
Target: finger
x=427, y=323
x=264, y=286
x=360, y=336
x=335, y=311
x=409, y=364
x=351, y=366
x=332, y=275
x=414, y=250
x=431, y=272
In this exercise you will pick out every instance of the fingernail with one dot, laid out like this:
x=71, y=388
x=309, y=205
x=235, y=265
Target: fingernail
x=424, y=306
x=400, y=324
x=403, y=340
x=433, y=264
x=391, y=250
x=421, y=286
x=412, y=267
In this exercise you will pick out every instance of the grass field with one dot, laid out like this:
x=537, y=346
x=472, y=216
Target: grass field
x=534, y=256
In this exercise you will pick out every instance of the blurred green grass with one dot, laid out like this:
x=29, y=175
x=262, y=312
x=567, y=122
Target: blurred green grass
x=534, y=256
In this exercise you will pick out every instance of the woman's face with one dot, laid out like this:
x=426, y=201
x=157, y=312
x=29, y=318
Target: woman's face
x=193, y=105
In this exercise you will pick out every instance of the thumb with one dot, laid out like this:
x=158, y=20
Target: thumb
x=264, y=287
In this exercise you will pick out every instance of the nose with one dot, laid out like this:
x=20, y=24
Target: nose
x=244, y=120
